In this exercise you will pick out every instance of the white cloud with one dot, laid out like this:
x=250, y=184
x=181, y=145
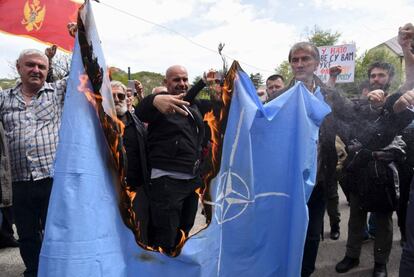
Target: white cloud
x=258, y=33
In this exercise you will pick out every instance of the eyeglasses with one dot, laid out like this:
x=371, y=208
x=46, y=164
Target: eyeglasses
x=120, y=96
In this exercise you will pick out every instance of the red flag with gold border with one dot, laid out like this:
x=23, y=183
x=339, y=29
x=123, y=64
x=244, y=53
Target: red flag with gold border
x=42, y=20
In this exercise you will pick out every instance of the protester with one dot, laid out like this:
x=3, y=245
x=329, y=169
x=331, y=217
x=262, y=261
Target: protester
x=382, y=150
x=332, y=196
x=6, y=233
x=406, y=40
x=130, y=100
x=135, y=143
x=30, y=113
x=274, y=85
x=304, y=60
x=262, y=94
x=159, y=90
x=137, y=92
x=174, y=142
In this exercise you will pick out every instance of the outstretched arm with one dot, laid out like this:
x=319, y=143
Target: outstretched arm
x=406, y=40
x=334, y=71
x=154, y=104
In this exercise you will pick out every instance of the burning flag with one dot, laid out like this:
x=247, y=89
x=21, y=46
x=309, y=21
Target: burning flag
x=43, y=20
x=264, y=171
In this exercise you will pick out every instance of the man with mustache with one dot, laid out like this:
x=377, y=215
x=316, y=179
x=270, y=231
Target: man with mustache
x=134, y=140
x=30, y=113
x=373, y=146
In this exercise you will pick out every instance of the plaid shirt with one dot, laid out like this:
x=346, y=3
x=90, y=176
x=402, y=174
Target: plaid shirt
x=32, y=130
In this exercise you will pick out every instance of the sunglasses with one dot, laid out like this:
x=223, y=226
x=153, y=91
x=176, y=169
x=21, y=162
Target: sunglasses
x=120, y=96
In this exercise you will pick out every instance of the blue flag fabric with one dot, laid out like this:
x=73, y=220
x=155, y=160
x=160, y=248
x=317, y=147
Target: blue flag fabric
x=259, y=196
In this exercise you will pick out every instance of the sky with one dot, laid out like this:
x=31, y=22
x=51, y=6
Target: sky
x=153, y=35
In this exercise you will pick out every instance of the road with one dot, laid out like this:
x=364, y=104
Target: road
x=330, y=252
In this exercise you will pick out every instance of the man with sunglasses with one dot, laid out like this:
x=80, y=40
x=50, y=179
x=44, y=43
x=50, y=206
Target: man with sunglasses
x=134, y=140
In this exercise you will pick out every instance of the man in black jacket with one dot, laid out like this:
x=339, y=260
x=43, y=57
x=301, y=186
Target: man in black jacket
x=174, y=142
x=370, y=162
x=304, y=60
x=135, y=140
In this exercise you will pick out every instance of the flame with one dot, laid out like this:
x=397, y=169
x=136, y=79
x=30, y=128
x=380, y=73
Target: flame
x=217, y=125
x=90, y=85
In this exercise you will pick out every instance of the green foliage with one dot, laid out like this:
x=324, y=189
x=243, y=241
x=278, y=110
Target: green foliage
x=285, y=70
x=257, y=79
x=7, y=83
x=321, y=37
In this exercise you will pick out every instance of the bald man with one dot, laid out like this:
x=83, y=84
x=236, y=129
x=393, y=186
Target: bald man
x=174, y=142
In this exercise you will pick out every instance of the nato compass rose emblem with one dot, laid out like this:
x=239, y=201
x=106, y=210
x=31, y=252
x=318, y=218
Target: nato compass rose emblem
x=233, y=195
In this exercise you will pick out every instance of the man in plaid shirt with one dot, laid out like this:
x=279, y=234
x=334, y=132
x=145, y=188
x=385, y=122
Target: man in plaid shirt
x=30, y=113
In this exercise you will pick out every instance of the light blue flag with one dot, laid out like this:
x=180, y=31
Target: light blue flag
x=84, y=233
x=259, y=196
x=268, y=170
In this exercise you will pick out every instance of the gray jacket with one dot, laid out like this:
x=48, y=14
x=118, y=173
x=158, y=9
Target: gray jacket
x=5, y=172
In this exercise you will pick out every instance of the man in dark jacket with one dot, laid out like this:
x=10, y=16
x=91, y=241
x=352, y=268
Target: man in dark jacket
x=6, y=219
x=135, y=140
x=304, y=60
x=174, y=142
x=370, y=163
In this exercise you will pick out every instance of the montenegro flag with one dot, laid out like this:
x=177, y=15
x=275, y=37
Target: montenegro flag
x=42, y=20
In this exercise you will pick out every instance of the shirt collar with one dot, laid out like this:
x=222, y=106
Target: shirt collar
x=46, y=86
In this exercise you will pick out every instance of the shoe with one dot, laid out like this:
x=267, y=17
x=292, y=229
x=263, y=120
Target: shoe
x=346, y=264
x=380, y=270
x=335, y=234
x=8, y=242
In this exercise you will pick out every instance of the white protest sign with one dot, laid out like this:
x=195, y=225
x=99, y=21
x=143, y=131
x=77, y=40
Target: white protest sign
x=342, y=55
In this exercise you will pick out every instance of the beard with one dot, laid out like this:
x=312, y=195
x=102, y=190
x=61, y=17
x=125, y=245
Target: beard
x=121, y=109
x=375, y=86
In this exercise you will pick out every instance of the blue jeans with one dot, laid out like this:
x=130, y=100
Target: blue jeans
x=30, y=203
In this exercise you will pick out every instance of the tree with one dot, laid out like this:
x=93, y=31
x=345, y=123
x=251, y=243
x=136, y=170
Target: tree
x=257, y=79
x=285, y=70
x=320, y=37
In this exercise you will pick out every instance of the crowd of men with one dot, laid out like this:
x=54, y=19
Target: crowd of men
x=364, y=145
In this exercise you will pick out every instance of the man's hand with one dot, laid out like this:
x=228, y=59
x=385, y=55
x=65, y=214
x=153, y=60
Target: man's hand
x=170, y=104
x=50, y=52
x=139, y=89
x=335, y=70
x=72, y=28
x=376, y=97
x=406, y=36
x=406, y=101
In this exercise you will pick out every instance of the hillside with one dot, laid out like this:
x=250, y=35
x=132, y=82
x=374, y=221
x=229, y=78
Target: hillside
x=7, y=83
x=148, y=79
